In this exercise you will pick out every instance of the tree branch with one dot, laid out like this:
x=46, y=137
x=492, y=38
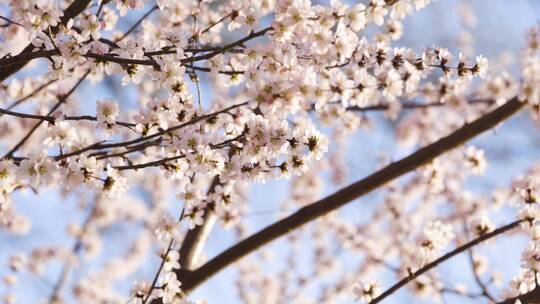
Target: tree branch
x=77, y=7
x=191, y=279
x=195, y=238
x=61, y=100
x=51, y=119
x=101, y=145
x=31, y=94
x=10, y=63
x=443, y=258
x=532, y=296
x=411, y=105
x=136, y=24
x=478, y=279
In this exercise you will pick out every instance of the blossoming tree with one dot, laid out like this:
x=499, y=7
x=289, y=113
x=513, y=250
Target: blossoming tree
x=229, y=94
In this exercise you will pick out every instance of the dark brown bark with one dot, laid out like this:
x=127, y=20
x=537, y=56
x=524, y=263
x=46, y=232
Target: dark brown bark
x=531, y=297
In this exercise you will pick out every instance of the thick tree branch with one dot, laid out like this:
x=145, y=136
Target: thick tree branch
x=526, y=298
x=191, y=279
x=74, y=9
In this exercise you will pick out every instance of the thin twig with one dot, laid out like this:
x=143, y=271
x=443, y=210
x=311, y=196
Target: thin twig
x=483, y=287
x=32, y=94
x=62, y=279
x=443, y=258
x=154, y=281
x=100, y=8
x=52, y=119
x=209, y=27
x=61, y=100
x=101, y=145
x=9, y=21
x=164, y=259
x=136, y=24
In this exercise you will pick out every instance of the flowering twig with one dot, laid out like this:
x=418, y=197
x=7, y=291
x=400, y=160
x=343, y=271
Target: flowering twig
x=10, y=63
x=163, y=260
x=101, y=145
x=52, y=119
x=61, y=100
x=162, y=264
x=74, y=9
